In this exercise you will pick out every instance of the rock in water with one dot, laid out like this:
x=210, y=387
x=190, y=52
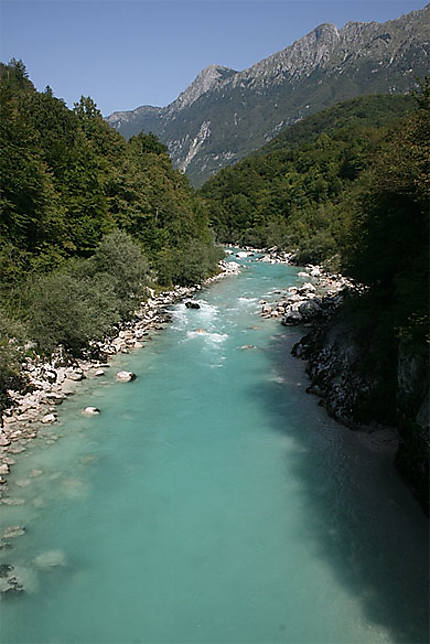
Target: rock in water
x=49, y=418
x=13, y=531
x=192, y=305
x=91, y=411
x=5, y=569
x=125, y=376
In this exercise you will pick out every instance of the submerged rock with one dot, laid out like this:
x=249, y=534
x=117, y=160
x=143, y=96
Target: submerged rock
x=50, y=559
x=5, y=569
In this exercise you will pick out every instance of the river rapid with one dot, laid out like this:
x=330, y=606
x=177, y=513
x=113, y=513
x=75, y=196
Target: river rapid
x=212, y=501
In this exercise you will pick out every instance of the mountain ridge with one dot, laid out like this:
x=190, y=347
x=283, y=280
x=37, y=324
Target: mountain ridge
x=225, y=114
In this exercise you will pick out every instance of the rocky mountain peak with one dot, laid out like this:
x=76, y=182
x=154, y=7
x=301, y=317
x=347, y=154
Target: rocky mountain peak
x=210, y=77
x=225, y=114
x=298, y=59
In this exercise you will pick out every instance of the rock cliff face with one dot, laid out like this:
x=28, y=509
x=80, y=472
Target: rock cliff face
x=358, y=389
x=225, y=114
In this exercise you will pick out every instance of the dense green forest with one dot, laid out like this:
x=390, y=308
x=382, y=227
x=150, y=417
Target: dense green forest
x=292, y=193
x=87, y=220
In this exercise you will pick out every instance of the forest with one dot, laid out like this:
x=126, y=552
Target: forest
x=88, y=220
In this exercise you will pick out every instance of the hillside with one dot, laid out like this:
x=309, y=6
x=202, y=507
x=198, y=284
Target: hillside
x=224, y=114
x=287, y=193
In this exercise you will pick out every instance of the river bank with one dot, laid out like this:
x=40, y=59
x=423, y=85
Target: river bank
x=50, y=381
x=390, y=410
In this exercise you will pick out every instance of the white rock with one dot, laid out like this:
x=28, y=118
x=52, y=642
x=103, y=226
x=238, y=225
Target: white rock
x=99, y=372
x=49, y=418
x=91, y=411
x=125, y=376
x=309, y=287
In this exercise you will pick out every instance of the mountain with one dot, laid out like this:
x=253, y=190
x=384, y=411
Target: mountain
x=225, y=114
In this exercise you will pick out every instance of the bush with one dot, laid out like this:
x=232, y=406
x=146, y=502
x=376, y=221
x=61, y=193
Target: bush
x=10, y=368
x=121, y=258
x=189, y=264
x=68, y=310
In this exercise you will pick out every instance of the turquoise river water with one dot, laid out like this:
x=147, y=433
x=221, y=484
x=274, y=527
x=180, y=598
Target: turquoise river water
x=212, y=501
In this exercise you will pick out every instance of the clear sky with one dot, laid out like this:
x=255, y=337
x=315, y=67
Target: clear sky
x=125, y=53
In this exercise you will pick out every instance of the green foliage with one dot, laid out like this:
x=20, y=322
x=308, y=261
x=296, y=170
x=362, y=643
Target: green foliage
x=70, y=310
x=10, y=378
x=67, y=179
x=291, y=193
x=386, y=245
x=120, y=258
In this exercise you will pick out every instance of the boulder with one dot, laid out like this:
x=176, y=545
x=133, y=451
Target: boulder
x=75, y=374
x=125, y=376
x=308, y=287
x=91, y=411
x=192, y=305
x=309, y=309
x=13, y=531
x=49, y=418
x=292, y=317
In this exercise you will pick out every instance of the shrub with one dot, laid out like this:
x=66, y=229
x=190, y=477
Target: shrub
x=121, y=259
x=68, y=310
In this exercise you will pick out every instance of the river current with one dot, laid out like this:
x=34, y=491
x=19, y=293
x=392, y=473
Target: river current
x=212, y=501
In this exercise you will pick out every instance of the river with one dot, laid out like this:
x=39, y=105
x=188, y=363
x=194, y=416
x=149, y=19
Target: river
x=212, y=501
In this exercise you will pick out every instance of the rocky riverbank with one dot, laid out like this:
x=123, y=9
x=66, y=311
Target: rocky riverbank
x=354, y=386
x=50, y=381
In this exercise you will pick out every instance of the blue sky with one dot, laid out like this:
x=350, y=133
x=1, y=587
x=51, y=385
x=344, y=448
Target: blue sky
x=125, y=53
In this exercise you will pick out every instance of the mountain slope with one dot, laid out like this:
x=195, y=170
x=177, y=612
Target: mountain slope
x=224, y=114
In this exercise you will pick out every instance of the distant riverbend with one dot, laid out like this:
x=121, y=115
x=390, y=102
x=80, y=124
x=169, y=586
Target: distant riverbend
x=211, y=501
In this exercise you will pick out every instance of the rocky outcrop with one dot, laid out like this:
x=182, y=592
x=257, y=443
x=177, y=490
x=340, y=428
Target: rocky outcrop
x=363, y=392
x=413, y=410
x=358, y=387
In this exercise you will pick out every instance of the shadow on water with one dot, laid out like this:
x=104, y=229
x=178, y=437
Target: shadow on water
x=361, y=519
